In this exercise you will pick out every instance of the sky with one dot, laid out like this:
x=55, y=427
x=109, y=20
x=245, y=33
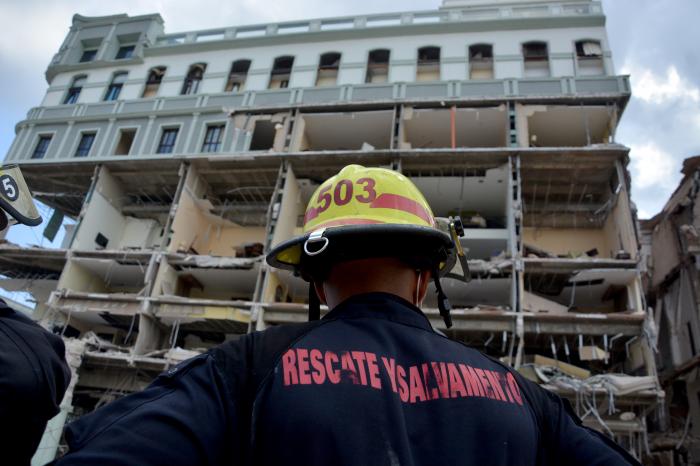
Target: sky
x=655, y=41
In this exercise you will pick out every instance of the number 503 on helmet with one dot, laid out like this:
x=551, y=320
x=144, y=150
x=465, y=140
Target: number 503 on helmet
x=365, y=212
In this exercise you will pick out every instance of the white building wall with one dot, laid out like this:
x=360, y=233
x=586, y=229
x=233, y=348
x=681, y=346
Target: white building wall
x=507, y=46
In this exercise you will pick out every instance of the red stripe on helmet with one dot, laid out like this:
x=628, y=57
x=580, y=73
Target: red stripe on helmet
x=311, y=214
x=398, y=202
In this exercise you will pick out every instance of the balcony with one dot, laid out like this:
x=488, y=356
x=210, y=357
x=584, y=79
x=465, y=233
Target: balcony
x=594, y=88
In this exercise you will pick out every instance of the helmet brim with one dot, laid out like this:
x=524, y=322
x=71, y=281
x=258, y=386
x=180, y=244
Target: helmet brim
x=425, y=247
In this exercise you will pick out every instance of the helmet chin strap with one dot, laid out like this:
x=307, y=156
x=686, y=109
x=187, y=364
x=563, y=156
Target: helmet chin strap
x=314, y=303
x=417, y=300
x=443, y=303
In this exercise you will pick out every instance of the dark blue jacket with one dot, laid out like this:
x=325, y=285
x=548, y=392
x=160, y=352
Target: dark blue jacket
x=33, y=378
x=371, y=383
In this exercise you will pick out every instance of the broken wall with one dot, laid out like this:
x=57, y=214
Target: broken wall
x=104, y=226
x=569, y=242
x=564, y=125
x=197, y=230
x=423, y=128
x=342, y=131
x=264, y=132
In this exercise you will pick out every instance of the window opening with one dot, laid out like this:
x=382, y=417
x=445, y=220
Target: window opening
x=281, y=72
x=125, y=51
x=88, y=55
x=589, y=58
x=193, y=79
x=41, y=147
x=263, y=135
x=536, y=59
x=74, y=90
x=155, y=77
x=126, y=140
x=481, y=61
x=378, y=66
x=428, y=68
x=167, y=141
x=328, y=67
x=85, y=144
x=212, y=138
x=237, y=76
x=115, y=87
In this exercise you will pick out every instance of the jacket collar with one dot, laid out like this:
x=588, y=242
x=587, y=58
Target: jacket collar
x=380, y=305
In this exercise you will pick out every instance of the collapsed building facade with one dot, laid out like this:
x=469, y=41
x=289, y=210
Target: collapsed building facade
x=670, y=243
x=183, y=157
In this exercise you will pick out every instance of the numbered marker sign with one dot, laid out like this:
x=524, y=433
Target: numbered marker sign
x=15, y=198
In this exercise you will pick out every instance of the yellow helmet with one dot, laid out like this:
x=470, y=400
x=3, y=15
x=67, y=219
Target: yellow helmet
x=367, y=212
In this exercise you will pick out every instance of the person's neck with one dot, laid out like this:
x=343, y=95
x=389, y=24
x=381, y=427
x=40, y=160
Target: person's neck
x=376, y=275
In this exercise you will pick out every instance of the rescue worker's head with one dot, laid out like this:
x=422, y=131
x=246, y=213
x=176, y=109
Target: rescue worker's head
x=363, y=227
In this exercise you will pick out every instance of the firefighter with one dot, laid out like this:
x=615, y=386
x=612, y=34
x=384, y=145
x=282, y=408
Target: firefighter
x=33, y=371
x=370, y=383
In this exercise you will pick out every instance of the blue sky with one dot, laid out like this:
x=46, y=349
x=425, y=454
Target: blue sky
x=653, y=40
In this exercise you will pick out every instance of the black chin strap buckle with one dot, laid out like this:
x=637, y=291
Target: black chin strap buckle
x=444, y=305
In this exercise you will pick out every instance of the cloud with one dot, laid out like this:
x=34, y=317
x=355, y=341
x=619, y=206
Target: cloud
x=650, y=87
x=652, y=167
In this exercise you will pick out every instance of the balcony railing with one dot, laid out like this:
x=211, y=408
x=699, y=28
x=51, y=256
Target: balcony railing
x=553, y=10
x=353, y=94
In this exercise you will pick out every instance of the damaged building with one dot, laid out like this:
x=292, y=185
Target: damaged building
x=671, y=255
x=183, y=157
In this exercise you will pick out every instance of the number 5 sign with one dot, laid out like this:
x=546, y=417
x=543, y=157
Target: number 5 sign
x=15, y=198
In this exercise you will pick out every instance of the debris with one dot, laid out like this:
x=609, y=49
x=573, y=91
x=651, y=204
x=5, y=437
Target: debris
x=568, y=369
x=534, y=303
x=624, y=384
x=474, y=220
x=592, y=353
x=534, y=251
x=622, y=255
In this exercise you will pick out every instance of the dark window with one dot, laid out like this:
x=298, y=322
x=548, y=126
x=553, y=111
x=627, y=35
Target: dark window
x=101, y=240
x=237, y=76
x=588, y=49
x=74, y=90
x=428, y=64
x=85, y=144
x=193, y=79
x=126, y=139
x=535, y=51
x=481, y=61
x=378, y=66
x=155, y=77
x=328, y=69
x=167, y=141
x=589, y=58
x=41, y=147
x=115, y=87
x=212, y=140
x=428, y=56
x=125, y=51
x=281, y=72
x=88, y=55
x=263, y=136
x=536, y=59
